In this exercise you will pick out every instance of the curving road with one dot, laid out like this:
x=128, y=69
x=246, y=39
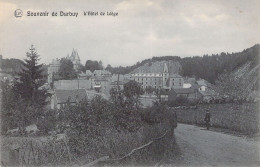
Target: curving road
x=199, y=147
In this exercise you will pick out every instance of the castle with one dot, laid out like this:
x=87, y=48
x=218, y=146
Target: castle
x=55, y=64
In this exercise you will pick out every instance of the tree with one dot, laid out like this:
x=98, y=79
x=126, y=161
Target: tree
x=116, y=96
x=93, y=65
x=81, y=68
x=31, y=78
x=66, y=70
x=132, y=92
x=23, y=102
x=100, y=65
x=149, y=90
x=109, y=68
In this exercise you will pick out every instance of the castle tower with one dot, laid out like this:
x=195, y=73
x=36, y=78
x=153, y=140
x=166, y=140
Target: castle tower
x=75, y=59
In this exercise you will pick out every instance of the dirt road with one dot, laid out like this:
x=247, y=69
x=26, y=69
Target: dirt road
x=199, y=147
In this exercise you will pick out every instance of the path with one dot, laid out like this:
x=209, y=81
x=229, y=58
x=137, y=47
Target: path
x=199, y=147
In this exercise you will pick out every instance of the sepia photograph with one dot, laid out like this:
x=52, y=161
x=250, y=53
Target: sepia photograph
x=129, y=83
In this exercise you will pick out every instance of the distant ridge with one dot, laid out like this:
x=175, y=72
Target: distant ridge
x=207, y=67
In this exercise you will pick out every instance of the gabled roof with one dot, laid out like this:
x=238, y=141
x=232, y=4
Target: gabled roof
x=117, y=82
x=175, y=76
x=102, y=72
x=209, y=92
x=73, y=95
x=184, y=91
x=99, y=78
x=202, y=82
x=88, y=72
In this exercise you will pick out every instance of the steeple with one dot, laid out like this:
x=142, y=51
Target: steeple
x=165, y=68
x=74, y=55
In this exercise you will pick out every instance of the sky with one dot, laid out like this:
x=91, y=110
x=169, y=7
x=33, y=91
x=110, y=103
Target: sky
x=142, y=29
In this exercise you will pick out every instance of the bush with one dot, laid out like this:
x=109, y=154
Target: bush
x=99, y=128
x=182, y=101
x=47, y=122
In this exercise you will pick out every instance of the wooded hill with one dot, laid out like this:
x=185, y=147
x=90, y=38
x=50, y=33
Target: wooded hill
x=208, y=67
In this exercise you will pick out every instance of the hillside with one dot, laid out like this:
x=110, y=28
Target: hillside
x=155, y=67
x=208, y=67
x=10, y=64
x=14, y=66
x=243, y=82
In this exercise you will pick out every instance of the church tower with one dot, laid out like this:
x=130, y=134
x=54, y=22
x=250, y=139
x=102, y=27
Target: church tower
x=165, y=75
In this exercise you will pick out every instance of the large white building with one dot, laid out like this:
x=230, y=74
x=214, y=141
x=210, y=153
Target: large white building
x=163, y=79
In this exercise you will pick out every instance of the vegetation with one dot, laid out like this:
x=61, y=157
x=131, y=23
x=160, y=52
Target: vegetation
x=66, y=70
x=23, y=103
x=206, y=67
x=241, y=84
x=31, y=78
x=132, y=91
x=243, y=117
x=93, y=65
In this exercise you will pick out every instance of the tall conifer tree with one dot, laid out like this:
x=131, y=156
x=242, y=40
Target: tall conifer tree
x=31, y=78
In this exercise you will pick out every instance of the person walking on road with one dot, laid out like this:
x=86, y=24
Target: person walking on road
x=207, y=119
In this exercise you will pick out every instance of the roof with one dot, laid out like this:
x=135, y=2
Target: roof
x=189, y=80
x=73, y=95
x=202, y=82
x=175, y=76
x=88, y=72
x=102, y=72
x=195, y=86
x=209, y=92
x=184, y=91
x=99, y=78
x=117, y=82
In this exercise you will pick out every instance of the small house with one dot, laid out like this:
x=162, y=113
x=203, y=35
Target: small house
x=62, y=97
x=189, y=93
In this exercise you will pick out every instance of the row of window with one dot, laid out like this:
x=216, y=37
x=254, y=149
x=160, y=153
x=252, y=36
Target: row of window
x=147, y=74
x=147, y=79
x=151, y=86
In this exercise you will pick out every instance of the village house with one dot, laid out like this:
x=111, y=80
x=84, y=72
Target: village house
x=189, y=93
x=62, y=97
x=103, y=73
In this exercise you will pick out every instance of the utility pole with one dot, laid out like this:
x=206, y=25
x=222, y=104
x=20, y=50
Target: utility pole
x=117, y=82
